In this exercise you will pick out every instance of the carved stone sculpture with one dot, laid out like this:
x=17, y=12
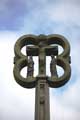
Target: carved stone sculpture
x=30, y=67
x=53, y=66
x=42, y=46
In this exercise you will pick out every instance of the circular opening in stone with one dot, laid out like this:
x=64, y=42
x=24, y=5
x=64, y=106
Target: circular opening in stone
x=60, y=49
x=60, y=71
x=23, y=72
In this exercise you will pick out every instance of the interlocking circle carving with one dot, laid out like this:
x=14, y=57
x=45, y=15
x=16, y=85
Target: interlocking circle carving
x=21, y=60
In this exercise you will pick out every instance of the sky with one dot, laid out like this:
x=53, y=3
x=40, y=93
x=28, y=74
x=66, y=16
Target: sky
x=20, y=17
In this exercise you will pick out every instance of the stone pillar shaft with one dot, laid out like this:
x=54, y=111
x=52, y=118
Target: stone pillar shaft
x=42, y=110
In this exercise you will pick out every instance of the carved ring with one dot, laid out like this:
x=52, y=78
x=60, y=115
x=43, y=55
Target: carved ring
x=21, y=60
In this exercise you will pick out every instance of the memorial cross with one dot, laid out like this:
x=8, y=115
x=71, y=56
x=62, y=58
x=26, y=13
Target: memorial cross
x=42, y=46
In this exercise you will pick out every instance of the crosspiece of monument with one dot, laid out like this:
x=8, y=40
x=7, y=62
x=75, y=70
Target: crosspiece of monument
x=42, y=46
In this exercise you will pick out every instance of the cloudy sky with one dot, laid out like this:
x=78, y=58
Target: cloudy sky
x=20, y=17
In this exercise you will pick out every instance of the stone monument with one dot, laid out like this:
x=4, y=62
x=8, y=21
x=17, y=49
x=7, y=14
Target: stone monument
x=41, y=46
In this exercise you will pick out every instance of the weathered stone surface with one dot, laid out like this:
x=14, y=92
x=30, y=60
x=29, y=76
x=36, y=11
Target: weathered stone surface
x=42, y=46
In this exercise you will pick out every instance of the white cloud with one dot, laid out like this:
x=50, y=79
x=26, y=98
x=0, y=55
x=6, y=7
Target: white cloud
x=66, y=104
x=53, y=17
x=16, y=102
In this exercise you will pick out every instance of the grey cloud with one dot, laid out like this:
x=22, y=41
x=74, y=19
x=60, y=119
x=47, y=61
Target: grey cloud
x=29, y=16
x=52, y=17
x=12, y=13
